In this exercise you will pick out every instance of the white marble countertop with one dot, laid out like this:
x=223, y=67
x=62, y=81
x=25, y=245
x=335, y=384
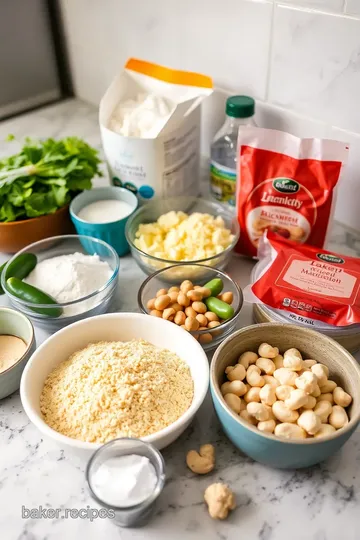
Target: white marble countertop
x=320, y=503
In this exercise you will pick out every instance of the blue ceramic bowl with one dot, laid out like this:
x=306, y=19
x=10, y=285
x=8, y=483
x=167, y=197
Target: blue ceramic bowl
x=113, y=232
x=267, y=448
x=16, y=324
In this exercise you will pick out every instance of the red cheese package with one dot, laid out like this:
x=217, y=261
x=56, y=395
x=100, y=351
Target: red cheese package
x=306, y=281
x=285, y=185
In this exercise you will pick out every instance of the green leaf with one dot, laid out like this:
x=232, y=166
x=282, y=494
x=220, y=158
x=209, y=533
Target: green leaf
x=44, y=176
x=61, y=195
x=39, y=204
x=7, y=212
x=17, y=195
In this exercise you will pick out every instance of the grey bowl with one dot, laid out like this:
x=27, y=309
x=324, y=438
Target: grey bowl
x=15, y=324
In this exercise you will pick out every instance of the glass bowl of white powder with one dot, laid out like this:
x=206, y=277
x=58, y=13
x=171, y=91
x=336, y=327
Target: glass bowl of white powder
x=125, y=477
x=79, y=272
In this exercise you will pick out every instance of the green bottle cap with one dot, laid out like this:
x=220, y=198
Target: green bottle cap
x=240, y=106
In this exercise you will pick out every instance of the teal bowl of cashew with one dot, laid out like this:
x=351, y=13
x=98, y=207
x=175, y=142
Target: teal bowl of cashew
x=294, y=404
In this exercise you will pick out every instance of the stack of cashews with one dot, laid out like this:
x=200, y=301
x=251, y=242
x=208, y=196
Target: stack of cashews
x=284, y=394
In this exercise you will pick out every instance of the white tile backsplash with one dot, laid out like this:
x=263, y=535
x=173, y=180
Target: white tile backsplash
x=353, y=7
x=299, y=58
x=315, y=66
x=196, y=36
x=347, y=205
x=324, y=5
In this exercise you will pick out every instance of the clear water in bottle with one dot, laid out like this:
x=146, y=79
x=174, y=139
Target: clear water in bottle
x=240, y=111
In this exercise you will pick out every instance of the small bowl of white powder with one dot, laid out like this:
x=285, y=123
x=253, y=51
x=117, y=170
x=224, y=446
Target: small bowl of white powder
x=126, y=476
x=78, y=272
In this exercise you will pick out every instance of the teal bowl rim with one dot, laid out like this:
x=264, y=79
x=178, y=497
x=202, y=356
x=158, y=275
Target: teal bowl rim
x=288, y=328
x=110, y=188
x=29, y=345
x=222, y=326
x=227, y=251
x=73, y=302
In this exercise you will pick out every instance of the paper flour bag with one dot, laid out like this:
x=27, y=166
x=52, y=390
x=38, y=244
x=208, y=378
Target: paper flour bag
x=150, y=129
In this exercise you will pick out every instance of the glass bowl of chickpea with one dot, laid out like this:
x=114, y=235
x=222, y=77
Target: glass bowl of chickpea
x=207, y=304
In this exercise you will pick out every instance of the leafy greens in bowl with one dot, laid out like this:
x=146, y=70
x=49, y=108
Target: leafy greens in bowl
x=44, y=176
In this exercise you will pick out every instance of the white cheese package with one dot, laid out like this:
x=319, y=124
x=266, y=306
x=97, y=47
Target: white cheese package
x=150, y=129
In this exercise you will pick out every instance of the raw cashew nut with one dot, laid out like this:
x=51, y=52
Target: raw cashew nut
x=269, y=379
x=283, y=391
x=268, y=426
x=338, y=417
x=266, y=365
x=234, y=387
x=309, y=363
x=285, y=376
x=307, y=382
x=296, y=399
x=284, y=414
x=309, y=421
x=323, y=409
x=293, y=360
x=278, y=361
x=235, y=373
x=225, y=388
x=341, y=397
x=253, y=376
x=267, y=351
x=322, y=372
x=248, y=418
x=247, y=358
x=243, y=405
x=201, y=462
x=258, y=411
x=310, y=404
x=293, y=352
x=290, y=431
x=316, y=392
x=220, y=500
x=325, y=429
x=253, y=394
x=267, y=394
x=329, y=386
x=326, y=397
x=233, y=402
x=270, y=411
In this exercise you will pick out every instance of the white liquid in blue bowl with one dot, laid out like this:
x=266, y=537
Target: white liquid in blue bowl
x=105, y=211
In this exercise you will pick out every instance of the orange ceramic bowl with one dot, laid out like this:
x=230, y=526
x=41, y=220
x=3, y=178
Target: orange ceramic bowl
x=18, y=234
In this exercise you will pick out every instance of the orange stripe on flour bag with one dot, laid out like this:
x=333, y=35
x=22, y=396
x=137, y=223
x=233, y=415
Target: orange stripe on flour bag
x=172, y=76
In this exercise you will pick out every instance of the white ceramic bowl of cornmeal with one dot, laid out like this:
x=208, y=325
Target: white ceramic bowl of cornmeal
x=119, y=327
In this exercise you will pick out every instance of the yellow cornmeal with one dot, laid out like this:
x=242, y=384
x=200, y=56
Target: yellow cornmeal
x=116, y=389
x=11, y=350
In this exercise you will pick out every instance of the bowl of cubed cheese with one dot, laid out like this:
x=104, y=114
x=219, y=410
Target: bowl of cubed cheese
x=182, y=230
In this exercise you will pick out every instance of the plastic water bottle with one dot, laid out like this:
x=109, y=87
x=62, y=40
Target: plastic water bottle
x=240, y=111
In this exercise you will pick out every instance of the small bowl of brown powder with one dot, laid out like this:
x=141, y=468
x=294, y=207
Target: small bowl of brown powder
x=17, y=343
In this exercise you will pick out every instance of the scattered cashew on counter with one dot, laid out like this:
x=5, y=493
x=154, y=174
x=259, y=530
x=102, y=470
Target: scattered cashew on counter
x=285, y=394
x=201, y=462
x=220, y=500
x=219, y=497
